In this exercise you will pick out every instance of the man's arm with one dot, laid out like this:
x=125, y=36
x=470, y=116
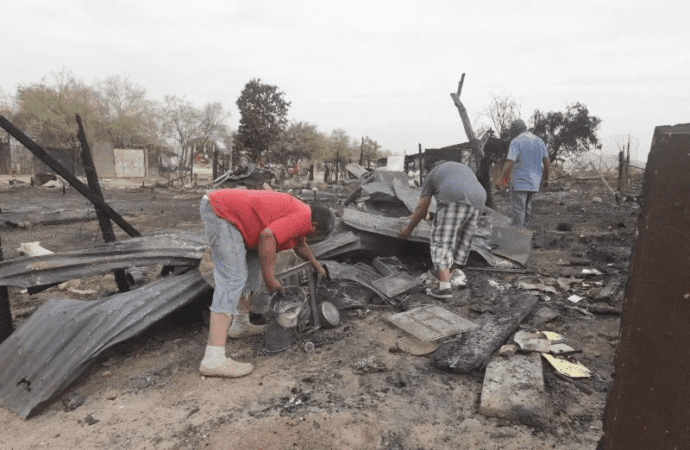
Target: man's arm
x=267, y=259
x=545, y=177
x=505, y=175
x=419, y=214
x=303, y=251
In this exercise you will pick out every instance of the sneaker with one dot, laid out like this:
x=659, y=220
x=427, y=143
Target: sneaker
x=439, y=293
x=229, y=369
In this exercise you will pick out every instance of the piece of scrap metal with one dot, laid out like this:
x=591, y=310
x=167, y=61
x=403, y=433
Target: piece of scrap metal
x=396, y=283
x=168, y=249
x=429, y=323
x=60, y=339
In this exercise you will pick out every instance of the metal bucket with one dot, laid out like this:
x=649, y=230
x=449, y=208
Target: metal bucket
x=328, y=314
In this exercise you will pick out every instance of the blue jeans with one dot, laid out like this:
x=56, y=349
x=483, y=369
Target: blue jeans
x=521, y=211
x=236, y=270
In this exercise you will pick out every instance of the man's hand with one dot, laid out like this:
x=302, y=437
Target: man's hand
x=273, y=285
x=501, y=184
x=320, y=270
x=405, y=233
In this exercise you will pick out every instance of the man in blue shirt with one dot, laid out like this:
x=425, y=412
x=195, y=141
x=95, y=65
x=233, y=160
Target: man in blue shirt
x=526, y=155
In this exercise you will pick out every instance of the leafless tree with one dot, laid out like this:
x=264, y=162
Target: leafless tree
x=501, y=112
x=123, y=105
x=182, y=124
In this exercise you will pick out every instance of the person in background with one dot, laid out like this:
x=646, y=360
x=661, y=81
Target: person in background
x=459, y=199
x=528, y=161
x=245, y=229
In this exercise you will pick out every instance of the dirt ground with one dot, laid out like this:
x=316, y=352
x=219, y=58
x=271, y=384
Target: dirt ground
x=147, y=393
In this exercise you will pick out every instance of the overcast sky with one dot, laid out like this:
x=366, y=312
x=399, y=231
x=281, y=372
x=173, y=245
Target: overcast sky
x=378, y=69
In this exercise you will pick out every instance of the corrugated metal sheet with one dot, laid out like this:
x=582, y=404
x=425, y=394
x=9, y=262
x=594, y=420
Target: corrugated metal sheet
x=129, y=163
x=54, y=346
x=170, y=249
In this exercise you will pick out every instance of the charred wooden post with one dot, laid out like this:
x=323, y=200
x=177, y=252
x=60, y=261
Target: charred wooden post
x=647, y=404
x=6, y=327
x=420, y=164
x=215, y=163
x=337, y=165
x=621, y=171
x=64, y=173
x=94, y=185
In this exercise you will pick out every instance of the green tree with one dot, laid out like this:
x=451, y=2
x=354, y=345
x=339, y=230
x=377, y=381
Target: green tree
x=300, y=140
x=47, y=112
x=263, y=117
x=368, y=150
x=338, y=143
x=566, y=133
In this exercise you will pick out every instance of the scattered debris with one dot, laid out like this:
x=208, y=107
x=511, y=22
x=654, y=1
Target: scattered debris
x=369, y=365
x=415, y=346
x=567, y=368
x=473, y=349
x=514, y=390
x=429, y=323
x=32, y=249
x=396, y=283
x=508, y=350
x=532, y=342
x=575, y=298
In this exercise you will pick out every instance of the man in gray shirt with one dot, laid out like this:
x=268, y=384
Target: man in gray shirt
x=459, y=200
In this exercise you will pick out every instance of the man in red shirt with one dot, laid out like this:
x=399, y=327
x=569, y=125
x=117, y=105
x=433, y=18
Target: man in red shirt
x=245, y=229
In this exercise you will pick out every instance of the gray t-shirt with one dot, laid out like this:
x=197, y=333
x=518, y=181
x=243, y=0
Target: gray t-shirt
x=527, y=150
x=452, y=182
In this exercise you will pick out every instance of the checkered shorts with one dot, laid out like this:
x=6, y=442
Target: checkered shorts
x=452, y=233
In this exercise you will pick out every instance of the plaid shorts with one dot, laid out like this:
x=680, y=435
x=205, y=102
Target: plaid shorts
x=452, y=233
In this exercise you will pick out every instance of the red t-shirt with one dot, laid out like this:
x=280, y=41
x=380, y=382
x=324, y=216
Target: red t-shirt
x=253, y=211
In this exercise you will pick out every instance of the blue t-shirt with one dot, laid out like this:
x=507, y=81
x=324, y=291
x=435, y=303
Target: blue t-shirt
x=527, y=150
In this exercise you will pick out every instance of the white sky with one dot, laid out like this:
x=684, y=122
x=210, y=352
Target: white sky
x=378, y=69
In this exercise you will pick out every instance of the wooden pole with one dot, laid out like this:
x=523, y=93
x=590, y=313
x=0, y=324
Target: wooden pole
x=627, y=166
x=603, y=179
x=6, y=327
x=621, y=169
x=215, y=162
x=337, y=165
x=477, y=144
x=421, y=165
x=66, y=174
x=361, y=153
x=94, y=185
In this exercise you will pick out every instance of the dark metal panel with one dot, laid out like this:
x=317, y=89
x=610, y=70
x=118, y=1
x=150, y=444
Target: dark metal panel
x=54, y=346
x=648, y=402
x=179, y=249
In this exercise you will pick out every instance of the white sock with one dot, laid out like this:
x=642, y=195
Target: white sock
x=444, y=285
x=213, y=357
